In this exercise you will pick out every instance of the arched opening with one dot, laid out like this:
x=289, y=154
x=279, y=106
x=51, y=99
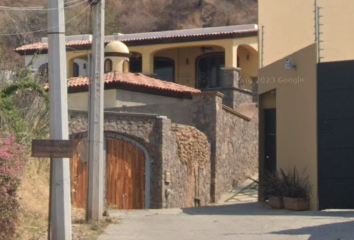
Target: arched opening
x=135, y=63
x=164, y=68
x=76, y=69
x=108, y=65
x=127, y=174
x=208, y=71
x=248, y=62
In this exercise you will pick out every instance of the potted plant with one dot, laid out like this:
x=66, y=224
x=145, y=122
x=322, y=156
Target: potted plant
x=296, y=190
x=272, y=189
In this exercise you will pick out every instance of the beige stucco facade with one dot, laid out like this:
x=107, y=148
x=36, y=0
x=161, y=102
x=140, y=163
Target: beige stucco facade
x=185, y=55
x=288, y=26
x=117, y=98
x=287, y=31
x=293, y=95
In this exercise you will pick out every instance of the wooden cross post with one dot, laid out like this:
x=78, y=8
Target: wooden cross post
x=53, y=149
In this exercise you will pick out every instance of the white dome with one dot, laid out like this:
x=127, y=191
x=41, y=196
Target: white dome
x=116, y=47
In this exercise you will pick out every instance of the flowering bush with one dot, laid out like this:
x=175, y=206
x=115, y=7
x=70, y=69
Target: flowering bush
x=11, y=165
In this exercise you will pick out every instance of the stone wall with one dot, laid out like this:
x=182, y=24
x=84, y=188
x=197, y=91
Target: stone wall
x=237, y=154
x=145, y=129
x=190, y=173
x=234, y=142
x=234, y=95
x=180, y=153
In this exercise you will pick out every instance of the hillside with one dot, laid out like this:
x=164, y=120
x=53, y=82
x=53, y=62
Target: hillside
x=125, y=16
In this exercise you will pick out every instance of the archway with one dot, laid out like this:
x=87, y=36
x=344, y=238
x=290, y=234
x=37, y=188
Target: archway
x=247, y=61
x=127, y=174
x=209, y=73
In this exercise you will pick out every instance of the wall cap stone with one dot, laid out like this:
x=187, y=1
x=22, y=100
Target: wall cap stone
x=120, y=114
x=236, y=89
x=231, y=68
x=234, y=112
x=212, y=93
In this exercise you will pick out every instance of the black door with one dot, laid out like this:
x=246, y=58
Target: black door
x=270, y=140
x=336, y=134
x=209, y=74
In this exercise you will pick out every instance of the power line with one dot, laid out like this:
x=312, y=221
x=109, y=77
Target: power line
x=44, y=30
x=5, y=8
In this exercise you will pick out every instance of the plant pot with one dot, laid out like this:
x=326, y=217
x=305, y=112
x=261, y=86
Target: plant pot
x=276, y=202
x=297, y=204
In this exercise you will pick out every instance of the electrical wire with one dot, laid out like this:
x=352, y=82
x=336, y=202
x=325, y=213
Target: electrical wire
x=4, y=8
x=43, y=30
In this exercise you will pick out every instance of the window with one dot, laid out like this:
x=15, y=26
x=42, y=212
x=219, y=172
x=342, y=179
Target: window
x=164, y=68
x=135, y=65
x=76, y=69
x=209, y=74
x=108, y=65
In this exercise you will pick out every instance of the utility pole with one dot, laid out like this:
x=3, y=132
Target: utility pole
x=60, y=205
x=95, y=193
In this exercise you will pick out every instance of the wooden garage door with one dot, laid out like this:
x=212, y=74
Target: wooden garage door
x=125, y=175
x=78, y=180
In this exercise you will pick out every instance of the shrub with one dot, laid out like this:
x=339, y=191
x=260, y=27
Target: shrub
x=11, y=165
x=285, y=184
x=295, y=185
x=272, y=186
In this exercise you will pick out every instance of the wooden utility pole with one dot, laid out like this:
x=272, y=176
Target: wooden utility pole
x=95, y=193
x=60, y=206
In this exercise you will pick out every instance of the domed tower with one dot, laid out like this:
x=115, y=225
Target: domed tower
x=116, y=55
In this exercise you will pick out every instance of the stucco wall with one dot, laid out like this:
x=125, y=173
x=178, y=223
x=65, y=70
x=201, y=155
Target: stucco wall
x=80, y=101
x=185, y=62
x=181, y=113
x=116, y=98
x=290, y=26
x=294, y=93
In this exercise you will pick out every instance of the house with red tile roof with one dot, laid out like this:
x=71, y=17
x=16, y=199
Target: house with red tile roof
x=181, y=119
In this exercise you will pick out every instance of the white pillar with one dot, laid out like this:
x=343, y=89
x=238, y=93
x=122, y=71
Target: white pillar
x=60, y=217
x=95, y=193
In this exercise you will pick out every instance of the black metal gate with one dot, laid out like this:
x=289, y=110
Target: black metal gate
x=336, y=134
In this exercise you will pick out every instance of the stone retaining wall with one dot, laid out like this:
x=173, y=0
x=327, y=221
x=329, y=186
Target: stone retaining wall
x=182, y=152
x=234, y=143
x=190, y=173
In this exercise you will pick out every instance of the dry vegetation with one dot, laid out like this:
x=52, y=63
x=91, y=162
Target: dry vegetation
x=125, y=16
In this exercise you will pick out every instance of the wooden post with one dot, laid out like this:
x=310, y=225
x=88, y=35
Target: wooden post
x=95, y=189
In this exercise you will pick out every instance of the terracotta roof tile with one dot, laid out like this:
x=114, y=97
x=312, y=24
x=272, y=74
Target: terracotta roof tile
x=134, y=80
x=44, y=45
x=132, y=37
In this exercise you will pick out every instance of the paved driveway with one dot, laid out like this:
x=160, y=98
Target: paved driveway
x=244, y=221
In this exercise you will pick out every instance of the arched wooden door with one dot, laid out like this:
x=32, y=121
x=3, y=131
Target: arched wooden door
x=125, y=176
